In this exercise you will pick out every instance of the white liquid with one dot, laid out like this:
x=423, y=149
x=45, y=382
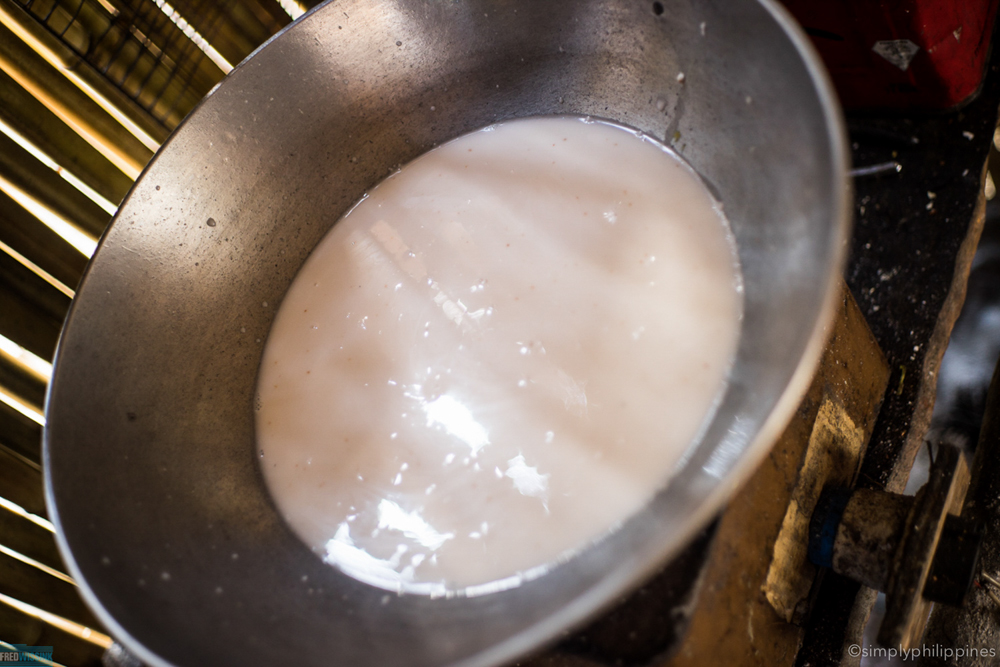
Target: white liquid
x=497, y=356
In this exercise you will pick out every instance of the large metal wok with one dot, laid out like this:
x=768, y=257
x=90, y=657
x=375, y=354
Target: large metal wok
x=151, y=474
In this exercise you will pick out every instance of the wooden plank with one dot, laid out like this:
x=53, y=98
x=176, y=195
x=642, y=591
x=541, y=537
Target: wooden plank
x=21, y=435
x=35, y=587
x=54, y=16
x=270, y=14
x=906, y=608
x=16, y=380
x=33, y=311
x=29, y=539
x=45, y=185
x=253, y=21
x=733, y=622
x=26, y=235
x=19, y=628
x=179, y=79
x=831, y=459
x=45, y=130
x=152, y=80
x=910, y=261
x=71, y=105
x=976, y=623
x=239, y=29
x=21, y=483
x=74, y=70
x=25, y=322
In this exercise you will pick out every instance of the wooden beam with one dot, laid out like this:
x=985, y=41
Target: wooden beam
x=18, y=628
x=20, y=383
x=22, y=436
x=32, y=32
x=43, y=184
x=25, y=235
x=29, y=539
x=21, y=484
x=33, y=311
x=169, y=78
x=52, y=136
x=39, y=589
x=71, y=105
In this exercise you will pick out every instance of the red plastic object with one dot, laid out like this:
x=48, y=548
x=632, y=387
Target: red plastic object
x=900, y=54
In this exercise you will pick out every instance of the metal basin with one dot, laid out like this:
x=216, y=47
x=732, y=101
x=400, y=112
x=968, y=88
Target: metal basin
x=151, y=475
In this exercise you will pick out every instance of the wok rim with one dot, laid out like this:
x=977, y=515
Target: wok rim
x=592, y=602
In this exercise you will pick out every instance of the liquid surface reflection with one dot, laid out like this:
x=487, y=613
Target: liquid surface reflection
x=497, y=356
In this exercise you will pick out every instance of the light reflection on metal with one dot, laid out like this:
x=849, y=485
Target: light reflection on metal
x=25, y=360
x=72, y=234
